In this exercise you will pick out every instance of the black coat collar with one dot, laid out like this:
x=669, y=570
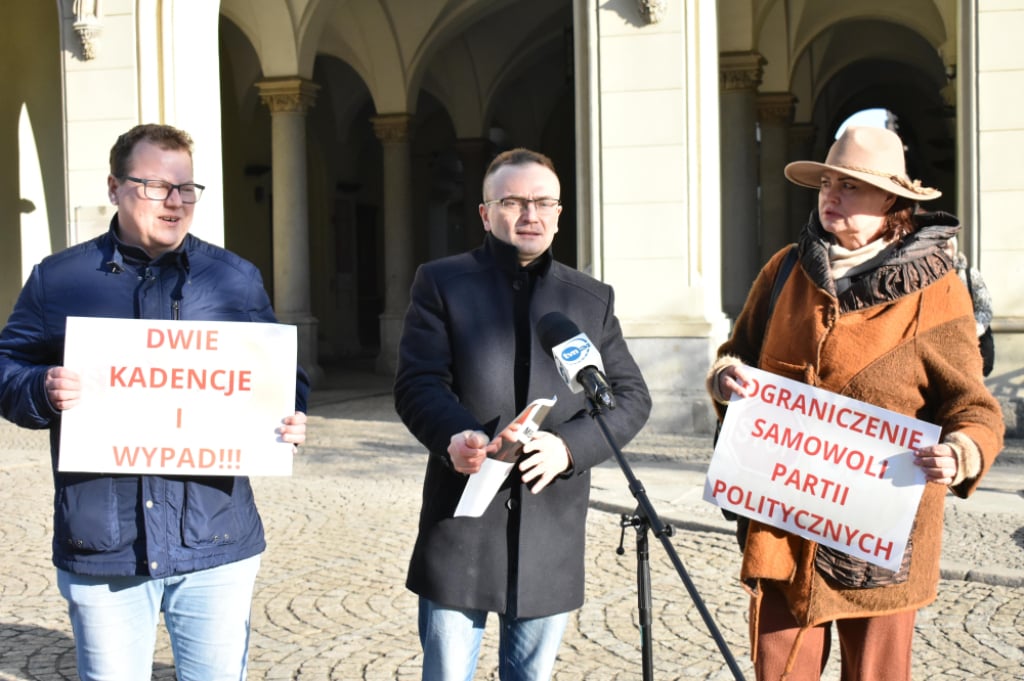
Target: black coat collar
x=506, y=256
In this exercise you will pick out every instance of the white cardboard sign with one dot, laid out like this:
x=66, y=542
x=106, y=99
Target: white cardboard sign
x=828, y=468
x=178, y=397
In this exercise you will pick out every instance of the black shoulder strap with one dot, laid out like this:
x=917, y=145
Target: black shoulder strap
x=788, y=261
x=780, y=278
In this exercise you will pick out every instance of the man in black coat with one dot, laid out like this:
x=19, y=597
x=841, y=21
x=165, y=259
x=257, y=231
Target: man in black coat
x=469, y=362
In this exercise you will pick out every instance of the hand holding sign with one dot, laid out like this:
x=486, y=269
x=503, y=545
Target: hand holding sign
x=63, y=387
x=293, y=429
x=938, y=462
x=733, y=380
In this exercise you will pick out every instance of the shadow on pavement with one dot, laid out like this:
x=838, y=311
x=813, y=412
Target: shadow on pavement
x=40, y=654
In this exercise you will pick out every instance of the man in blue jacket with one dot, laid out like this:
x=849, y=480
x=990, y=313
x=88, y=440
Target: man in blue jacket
x=128, y=547
x=469, y=362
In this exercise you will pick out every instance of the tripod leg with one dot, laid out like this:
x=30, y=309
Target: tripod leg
x=644, y=604
x=648, y=517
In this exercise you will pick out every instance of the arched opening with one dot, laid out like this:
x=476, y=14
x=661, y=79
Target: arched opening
x=874, y=117
x=33, y=188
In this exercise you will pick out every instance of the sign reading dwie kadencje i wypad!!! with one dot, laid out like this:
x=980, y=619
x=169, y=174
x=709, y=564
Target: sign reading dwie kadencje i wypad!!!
x=822, y=466
x=178, y=397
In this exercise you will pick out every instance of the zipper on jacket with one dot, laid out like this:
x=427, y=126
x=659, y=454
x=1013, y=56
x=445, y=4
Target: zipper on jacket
x=176, y=309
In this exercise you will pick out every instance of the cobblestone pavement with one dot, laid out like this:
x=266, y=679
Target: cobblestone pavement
x=330, y=602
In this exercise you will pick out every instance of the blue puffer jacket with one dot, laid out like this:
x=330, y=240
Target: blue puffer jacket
x=115, y=525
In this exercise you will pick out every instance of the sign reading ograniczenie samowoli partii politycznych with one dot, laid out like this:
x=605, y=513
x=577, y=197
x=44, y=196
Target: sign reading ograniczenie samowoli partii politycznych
x=825, y=467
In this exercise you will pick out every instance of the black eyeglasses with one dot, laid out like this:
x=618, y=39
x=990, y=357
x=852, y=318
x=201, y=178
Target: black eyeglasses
x=158, y=190
x=517, y=205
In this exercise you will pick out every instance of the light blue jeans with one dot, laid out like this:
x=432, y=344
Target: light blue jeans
x=527, y=648
x=114, y=622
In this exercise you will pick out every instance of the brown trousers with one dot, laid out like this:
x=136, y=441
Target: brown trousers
x=871, y=648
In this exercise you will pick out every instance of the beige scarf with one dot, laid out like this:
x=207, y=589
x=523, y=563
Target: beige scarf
x=845, y=263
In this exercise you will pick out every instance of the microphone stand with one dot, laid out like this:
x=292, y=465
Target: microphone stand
x=644, y=518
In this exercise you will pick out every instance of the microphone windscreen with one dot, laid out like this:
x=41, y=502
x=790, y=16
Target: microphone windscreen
x=555, y=328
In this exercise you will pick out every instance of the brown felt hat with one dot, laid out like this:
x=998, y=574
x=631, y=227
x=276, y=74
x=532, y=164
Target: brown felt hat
x=872, y=155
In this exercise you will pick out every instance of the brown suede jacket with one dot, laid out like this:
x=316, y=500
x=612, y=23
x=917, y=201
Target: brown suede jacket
x=901, y=337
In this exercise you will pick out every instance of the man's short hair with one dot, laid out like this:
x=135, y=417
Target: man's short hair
x=517, y=157
x=164, y=136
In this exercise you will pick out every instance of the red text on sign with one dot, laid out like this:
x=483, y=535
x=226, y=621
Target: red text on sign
x=227, y=381
x=812, y=445
x=808, y=483
x=778, y=512
x=180, y=339
x=845, y=417
x=169, y=457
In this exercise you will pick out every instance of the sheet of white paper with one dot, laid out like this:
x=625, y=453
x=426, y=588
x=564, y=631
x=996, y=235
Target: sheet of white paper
x=482, y=487
x=484, y=484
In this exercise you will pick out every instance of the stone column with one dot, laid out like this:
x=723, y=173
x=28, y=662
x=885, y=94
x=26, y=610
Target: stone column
x=740, y=75
x=393, y=131
x=775, y=113
x=473, y=155
x=288, y=100
x=801, y=200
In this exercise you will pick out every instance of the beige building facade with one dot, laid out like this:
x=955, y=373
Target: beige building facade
x=343, y=142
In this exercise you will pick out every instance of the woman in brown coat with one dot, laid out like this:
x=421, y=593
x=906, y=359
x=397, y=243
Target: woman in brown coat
x=875, y=311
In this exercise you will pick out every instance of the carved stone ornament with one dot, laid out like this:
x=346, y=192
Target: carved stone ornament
x=652, y=11
x=88, y=25
x=289, y=94
x=775, y=107
x=392, y=128
x=740, y=70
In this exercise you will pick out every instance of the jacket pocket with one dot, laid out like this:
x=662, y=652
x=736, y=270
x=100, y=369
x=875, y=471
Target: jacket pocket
x=779, y=367
x=86, y=517
x=210, y=514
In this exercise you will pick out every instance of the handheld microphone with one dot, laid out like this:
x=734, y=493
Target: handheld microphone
x=578, y=361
